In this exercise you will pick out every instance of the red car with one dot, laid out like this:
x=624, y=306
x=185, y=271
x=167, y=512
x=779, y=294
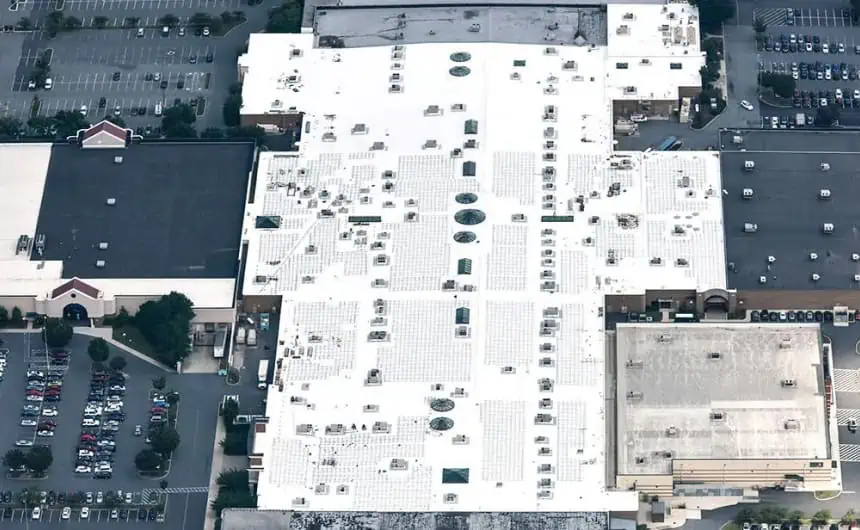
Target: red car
x=34, y=392
x=88, y=438
x=158, y=410
x=53, y=392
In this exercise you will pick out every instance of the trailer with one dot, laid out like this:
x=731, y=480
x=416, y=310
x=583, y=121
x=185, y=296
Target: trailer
x=220, y=345
x=252, y=337
x=240, y=335
x=800, y=119
x=626, y=127
x=263, y=374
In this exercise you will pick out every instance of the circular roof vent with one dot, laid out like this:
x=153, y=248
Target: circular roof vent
x=465, y=237
x=466, y=198
x=470, y=217
x=461, y=57
x=442, y=423
x=460, y=71
x=442, y=405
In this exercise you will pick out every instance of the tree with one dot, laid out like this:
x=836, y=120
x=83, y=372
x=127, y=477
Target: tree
x=796, y=516
x=24, y=24
x=40, y=126
x=53, y=23
x=827, y=116
x=39, y=458
x=4, y=314
x=131, y=22
x=233, y=499
x=212, y=133
x=98, y=350
x=746, y=515
x=231, y=110
x=783, y=85
x=100, y=22
x=14, y=458
x=180, y=130
x=58, y=333
x=165, y=442
x=16, y=314
x=147, y=460
x=178, y=120
x=159, y=383
x=235, y=443
x=69, y=122
x=199, y=20
x=286, y=18
x=118, y=363
x=233, y=479
x=10, y=127
x=165, y=324
x=849, y=517
x=773, y=514
x=759, y=26
x=168, y=20
x=229, y=413
x=821, y=517
x=72, y=23
x=116, y=120
x=251, y=132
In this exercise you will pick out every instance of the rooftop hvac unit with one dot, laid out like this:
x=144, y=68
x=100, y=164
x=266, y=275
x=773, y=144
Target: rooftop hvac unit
x=672, y=432
x=792, y=425
x=103, y=245
x=100, y=264
x=110, y=201
x=785, y=344
x=117, y=160
x=789, y=383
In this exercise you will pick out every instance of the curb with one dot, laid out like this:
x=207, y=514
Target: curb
x=838, y=494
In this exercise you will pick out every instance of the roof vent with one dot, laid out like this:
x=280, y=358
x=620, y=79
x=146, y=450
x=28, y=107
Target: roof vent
x=672, y=432
x=789, y=383
x=715, y=355
x=635, y=396
x=792, y=425
x=433, y=110
x=827, y=228
x=110, y=201
x=395, y=88
x=359, y=128
x=718, y=416
x=374, y=377
x=824, y=194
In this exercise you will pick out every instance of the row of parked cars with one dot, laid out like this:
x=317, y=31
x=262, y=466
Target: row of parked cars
x=43, y=391
x=791, y=316
x=102, y=417
x=799, y=43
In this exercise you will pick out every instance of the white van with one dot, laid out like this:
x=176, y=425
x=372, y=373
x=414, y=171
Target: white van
x=158, y=109
x=49, y=84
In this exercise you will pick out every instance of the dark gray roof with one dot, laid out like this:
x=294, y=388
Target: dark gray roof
x=178, y=211
x=786, y=182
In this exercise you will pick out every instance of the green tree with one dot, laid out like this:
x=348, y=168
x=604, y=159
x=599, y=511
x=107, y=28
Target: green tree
x=4, y=314
x=39, y=458
x=16, y=314
x=100, y=22
x=746, y=515
x=98, y=350
x=159, y=383
x=796, y=516
x=286, y=18
x=178, y=121
x=58, y=333
x=180, y=130
x=165, y=442
x=118, y=363
x=235, y=443
x=24, y=24
x=783, y=85
x=821, y=517
x=212, y=133
x=849, y=517
x=231, y=110
x=233, y=479
x=131, y=22
x=72, y=23
x=165, y=324
x=40, y=126
x=116, y=120
x=233, y=499
x=827, y=116
x=198, y=20
x=53, y=23
x=14, y=458
x=169, y=20
x=10, y=127
x=69, y=122
x=773, y=514
x=229, y=413
x=251, y=132
x=147, y=461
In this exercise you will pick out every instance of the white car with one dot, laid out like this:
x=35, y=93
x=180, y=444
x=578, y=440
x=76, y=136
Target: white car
x=856, y=94
x=825, y=48
x=838, y=93
x=128, y=498
x=118, y=388
x=106, y=443
x=100, y=497
x=809, y=46
x=35, y=398
x=26, y=422
x=115, y=399
x=49, y=84
x=206, y=31
x=89, y=497
x=88, y=422
x=112, y=423
x=35, y=373
x=92, y=410
x=841, y=48
x=37, y=513
x=49, y=412
x=795, y=75
x=114, y=514
x=85, y=454
x=823, y=102
x=83, y=469
x=746, y=105
x=67, y=512
x=45, y=434
x=84, y=110
x=24, y=443
x=85, y=513
x=31, y=85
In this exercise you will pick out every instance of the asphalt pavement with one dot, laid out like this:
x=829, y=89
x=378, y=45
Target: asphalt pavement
x=85, y=62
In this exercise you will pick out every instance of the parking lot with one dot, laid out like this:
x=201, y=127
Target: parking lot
x=94, y=515
x=805, y=17
x=825, y=62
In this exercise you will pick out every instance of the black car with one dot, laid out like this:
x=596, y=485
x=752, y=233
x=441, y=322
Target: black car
x=103, y=475
x=180, y=84
x=164, y=85
x=52, y=397
x=102, y=102
x=209, y=58
x=141, y=515
x=754, y=316
x=152, y=514
x=192, y=59
x=123, y=514
x=116, y=76
x=828, y=316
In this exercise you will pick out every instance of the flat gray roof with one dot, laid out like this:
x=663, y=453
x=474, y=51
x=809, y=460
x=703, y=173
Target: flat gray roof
x=249, y=519
x=529, y=24
x=786, y=183
x=672, y=378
